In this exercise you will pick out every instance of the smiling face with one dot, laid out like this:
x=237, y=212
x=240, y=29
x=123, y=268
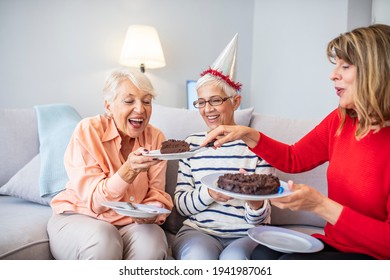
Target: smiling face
x=344, y=78
x=131, y=109
x=222, y=114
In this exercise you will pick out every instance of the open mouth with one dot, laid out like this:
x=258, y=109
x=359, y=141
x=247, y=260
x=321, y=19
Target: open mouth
x=339, y=91
x=136, y=122
x=212, y=118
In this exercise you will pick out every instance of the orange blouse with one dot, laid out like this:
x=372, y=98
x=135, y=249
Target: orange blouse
x=92, y=160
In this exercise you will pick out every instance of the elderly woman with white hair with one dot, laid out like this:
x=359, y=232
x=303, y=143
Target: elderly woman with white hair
x=105, y=161
x=217, y=225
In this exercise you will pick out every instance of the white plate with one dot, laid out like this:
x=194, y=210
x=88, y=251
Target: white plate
x=210, y=181
x=285, y=240
x=159, y=155
x=142, y=211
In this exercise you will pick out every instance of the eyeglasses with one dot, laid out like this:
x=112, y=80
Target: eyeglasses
x=213, y=101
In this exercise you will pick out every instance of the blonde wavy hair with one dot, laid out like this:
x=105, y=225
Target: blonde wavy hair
x=367, y=48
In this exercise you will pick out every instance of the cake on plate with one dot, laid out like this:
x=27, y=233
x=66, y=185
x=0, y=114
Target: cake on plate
x=173, y=146
x=255, y=184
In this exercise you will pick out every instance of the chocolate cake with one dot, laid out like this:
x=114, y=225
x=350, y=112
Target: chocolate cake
x=256, y=184
x=173, y=146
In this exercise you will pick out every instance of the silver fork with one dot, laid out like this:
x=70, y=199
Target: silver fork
x=131, y=206
x=210, y=144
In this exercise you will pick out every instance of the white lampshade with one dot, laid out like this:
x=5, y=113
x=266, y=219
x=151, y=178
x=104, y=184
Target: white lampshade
x=142, y=48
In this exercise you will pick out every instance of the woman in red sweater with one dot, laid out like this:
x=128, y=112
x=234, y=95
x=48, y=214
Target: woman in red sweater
x=354, y=139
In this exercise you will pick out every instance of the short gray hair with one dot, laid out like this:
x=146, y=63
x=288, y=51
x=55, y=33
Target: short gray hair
x=209, y=79
x=140, y=80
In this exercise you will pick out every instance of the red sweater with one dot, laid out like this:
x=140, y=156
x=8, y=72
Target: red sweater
x=358, y=178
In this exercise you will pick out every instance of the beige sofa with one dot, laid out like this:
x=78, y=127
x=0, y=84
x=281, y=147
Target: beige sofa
x=24, y=214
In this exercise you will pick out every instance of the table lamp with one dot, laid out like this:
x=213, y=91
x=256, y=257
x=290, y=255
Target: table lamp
x=142, y=48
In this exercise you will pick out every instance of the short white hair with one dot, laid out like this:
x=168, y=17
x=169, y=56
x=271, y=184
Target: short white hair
x=209, y=79
x=140, y=80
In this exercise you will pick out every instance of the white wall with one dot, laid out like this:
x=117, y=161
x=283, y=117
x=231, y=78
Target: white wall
x=290, y=70
x=61, y=51
x=359, y=13
x=381, y=11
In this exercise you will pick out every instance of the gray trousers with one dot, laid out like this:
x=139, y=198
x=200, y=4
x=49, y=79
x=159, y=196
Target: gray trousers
x=193, y=244
x=80, y=237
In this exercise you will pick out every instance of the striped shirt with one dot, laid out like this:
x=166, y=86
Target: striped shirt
x=225, y=219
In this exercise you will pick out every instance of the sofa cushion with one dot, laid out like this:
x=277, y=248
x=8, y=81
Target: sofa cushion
x=23, y=229
x=287, y=130
x=178, y=123
x=174, y=221
x=25, y=183
x=19, y=140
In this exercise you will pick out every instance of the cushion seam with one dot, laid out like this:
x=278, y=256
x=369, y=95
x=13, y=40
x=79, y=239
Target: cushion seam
x=23, y=247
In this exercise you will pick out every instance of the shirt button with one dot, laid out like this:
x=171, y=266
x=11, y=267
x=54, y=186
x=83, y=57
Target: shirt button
x=131, y=198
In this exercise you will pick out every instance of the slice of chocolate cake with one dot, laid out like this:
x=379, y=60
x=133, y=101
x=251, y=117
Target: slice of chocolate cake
x=172, y=146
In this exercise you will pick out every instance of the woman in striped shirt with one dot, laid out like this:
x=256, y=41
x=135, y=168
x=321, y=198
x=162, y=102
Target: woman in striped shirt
x=217, y=225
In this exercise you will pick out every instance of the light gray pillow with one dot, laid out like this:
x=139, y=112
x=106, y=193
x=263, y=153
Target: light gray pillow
x=25, y=183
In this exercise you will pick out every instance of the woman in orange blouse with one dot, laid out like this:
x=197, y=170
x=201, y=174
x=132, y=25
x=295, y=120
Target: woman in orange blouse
x=105, y=162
